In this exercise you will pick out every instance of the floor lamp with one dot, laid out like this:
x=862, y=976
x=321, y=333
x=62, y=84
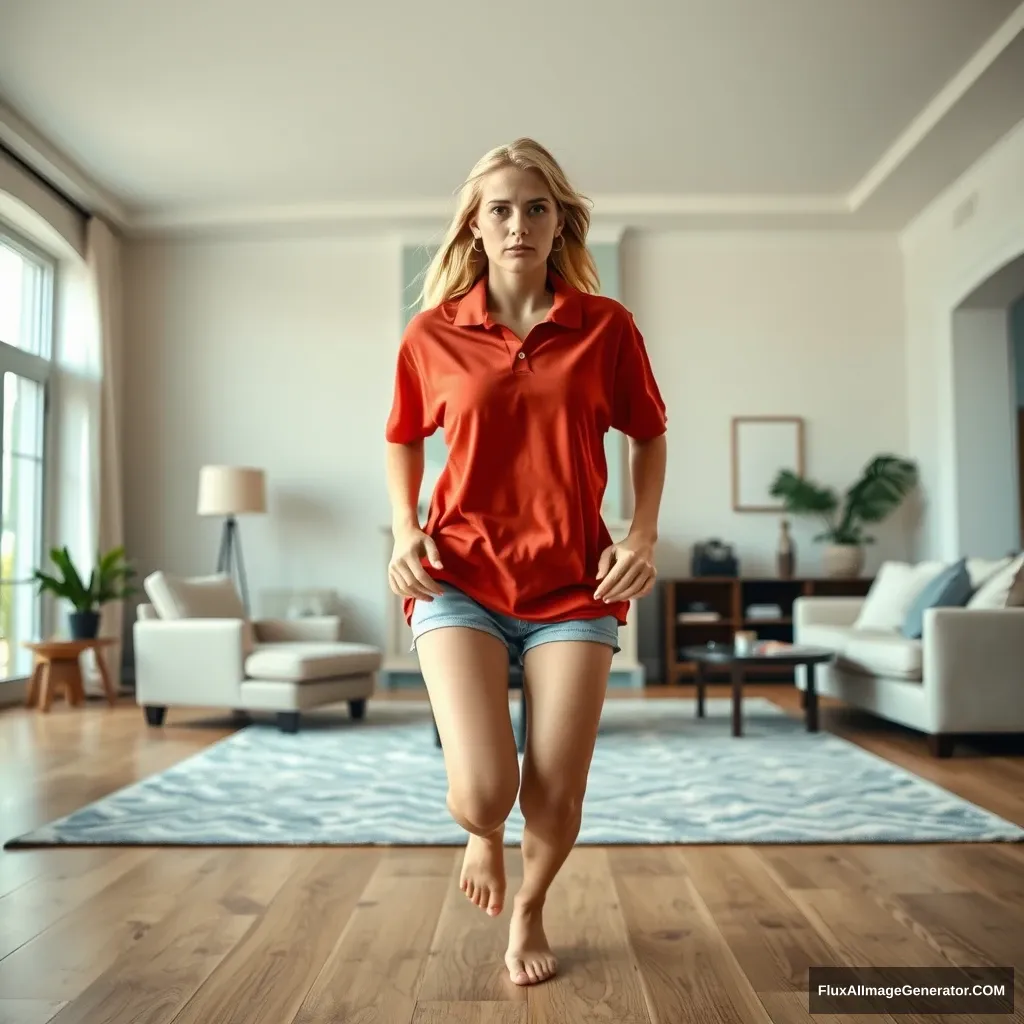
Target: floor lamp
x=231, y=491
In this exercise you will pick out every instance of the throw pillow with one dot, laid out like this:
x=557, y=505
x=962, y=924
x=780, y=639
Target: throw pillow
x=890, y=595
x=1015, y=596
x=995, y=591
x=950, y=589
x=198, y=597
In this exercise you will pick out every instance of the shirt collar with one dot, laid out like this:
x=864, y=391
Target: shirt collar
x=567, y=308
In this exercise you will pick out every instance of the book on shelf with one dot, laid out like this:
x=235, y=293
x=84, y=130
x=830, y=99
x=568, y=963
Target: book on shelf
x=698, y=617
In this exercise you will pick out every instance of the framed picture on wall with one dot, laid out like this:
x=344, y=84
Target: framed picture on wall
x=761, y=447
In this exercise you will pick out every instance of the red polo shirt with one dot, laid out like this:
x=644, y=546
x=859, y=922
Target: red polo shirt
x=516, y=513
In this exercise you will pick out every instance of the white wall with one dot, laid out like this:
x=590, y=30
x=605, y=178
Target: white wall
x=986, y=428
x=280, y=353
x=277, y=354
x=804, y=325
x=976, y=227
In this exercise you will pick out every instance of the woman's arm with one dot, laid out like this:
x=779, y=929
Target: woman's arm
x=626, y=570
x=405, y=474
x=647, y=461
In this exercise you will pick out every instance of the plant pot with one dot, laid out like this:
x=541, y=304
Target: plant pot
x=842, y=561
x=84, y=625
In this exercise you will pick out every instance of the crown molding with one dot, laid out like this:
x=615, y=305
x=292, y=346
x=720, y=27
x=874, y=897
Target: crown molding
x=423, y=221
x=57, y=169
x=938, y=108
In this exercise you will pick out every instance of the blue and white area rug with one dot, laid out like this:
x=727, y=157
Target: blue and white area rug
x=659, y=775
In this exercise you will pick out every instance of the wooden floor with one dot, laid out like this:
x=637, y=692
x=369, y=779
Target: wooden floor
x=272, y=936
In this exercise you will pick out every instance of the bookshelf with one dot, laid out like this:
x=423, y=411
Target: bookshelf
x=731, y=605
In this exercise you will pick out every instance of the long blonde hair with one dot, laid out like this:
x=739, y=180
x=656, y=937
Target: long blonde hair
x=456, y=266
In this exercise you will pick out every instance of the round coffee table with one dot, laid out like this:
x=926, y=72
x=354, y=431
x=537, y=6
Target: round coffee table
x=56, y=667
x=792, y=655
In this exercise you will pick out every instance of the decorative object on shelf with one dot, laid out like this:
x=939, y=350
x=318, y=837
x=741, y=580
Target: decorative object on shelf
x=108, y=581
x=763, y=446
x=230, y=491
x=786, y=552
x=713, y=558
x=883, y=485
x=743, y=641
x=760, y=612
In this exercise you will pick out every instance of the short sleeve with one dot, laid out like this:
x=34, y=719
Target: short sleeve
x=408, y=420
x=638, y=408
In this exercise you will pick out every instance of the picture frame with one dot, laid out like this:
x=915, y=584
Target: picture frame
x=761, y=447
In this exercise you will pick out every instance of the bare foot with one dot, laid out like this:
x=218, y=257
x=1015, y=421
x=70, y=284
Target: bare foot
x=529, y=958
x=483, y=872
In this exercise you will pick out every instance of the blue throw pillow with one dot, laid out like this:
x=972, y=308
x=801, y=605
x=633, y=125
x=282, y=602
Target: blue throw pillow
x=950, y=589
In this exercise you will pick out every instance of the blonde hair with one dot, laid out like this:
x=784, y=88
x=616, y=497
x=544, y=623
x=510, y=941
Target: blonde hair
x=456, y=266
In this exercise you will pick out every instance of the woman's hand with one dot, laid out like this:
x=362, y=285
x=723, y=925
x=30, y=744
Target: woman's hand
x=406, y=574
x=626, y=570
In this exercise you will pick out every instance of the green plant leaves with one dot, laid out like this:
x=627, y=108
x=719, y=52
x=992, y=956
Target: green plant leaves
x=108, y=581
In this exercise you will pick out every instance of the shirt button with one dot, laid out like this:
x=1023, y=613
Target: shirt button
x=522, y=355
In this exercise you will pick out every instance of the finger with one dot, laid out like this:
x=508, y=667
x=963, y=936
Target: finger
x=618, y=570
x=432, y=553
x=605, y=562
x=630, y=582
x=425, y=580
x=411, y=586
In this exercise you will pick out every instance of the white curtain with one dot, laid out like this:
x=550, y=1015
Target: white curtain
x=87, y=386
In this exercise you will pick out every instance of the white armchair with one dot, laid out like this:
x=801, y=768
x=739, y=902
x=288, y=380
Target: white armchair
x=194, y=646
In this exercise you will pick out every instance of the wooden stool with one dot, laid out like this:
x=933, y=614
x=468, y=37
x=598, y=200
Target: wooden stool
x=56, y=665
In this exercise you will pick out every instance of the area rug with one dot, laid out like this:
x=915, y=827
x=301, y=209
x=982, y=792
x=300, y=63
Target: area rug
x=659, y=775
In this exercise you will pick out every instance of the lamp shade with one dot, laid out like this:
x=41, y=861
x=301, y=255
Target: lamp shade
x=231, y=490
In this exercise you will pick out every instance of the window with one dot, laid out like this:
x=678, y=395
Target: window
x=26, y=345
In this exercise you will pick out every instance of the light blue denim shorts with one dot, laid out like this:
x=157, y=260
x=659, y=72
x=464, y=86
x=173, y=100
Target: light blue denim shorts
x=455, y=608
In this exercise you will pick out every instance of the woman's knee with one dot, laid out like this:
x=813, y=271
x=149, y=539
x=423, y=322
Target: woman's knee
x=552, y=806
x=481, y=807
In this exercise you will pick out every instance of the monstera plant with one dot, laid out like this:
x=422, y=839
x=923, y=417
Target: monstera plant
x=108, y=581
x=882, y=487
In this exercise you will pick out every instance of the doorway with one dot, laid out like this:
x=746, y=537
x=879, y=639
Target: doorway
x=988, y=385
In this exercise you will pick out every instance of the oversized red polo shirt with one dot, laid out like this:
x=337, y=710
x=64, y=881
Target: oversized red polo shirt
x=516, y=512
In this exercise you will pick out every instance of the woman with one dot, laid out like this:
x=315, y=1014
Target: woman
x=525, y=368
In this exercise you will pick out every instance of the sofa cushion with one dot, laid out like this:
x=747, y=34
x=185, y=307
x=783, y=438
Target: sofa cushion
x=892, y=592
x=198, y=597
x=301, y=662
x=832, y=638
x=950, y=589
x=1001, y=588
x=882, y=653
x=982, y=569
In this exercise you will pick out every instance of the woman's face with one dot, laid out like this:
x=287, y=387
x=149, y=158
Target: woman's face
x=517, y=219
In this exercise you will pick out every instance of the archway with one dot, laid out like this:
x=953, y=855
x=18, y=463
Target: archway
x=988, y=357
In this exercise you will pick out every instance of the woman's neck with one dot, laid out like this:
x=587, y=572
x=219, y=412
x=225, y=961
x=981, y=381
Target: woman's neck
x=517, y=296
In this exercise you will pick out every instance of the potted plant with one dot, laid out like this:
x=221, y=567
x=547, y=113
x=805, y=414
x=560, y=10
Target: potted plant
x=108, y=581
x=881, y=489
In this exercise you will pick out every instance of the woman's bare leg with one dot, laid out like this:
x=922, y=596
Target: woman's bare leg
x=565, y=683
x=466, y=673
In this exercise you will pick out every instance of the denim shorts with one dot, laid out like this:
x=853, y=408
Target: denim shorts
x=455, y=608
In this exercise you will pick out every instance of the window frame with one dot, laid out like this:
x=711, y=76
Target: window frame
x=39, y=368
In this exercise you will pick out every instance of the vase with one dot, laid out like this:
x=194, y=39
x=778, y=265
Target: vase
x=84, y=625
x=842, y=560
x=785, y=555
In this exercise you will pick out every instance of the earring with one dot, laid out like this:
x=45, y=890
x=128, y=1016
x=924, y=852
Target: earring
x=561, y=247
x=480, y=240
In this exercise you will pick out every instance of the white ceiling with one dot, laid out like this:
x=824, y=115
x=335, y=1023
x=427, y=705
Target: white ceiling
x=717, y=111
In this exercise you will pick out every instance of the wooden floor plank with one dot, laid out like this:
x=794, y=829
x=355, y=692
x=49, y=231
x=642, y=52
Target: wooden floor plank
x=28, y=1011
x=584, y=921
x=108, y=935
x=467, y=953
x=375, y=969
x=266, y=976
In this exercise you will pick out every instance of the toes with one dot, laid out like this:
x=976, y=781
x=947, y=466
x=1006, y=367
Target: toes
x=517, y=972
x=494, y=905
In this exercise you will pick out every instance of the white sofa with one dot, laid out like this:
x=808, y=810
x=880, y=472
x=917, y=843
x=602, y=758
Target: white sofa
x=963, y=676
x=195, y=647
